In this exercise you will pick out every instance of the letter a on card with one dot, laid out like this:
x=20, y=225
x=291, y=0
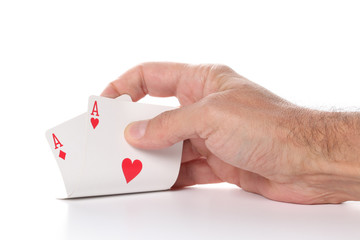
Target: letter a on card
x=95, y=112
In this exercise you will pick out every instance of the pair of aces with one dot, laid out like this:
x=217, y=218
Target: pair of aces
x=95, y=159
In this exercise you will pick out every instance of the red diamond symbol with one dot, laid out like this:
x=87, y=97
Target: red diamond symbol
x=62, y=154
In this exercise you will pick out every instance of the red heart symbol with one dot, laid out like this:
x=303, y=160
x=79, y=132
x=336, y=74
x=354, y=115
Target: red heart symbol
x=131, y=169
x=94, y=122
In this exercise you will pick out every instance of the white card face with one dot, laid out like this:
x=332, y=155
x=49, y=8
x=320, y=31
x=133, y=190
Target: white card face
x=124, y=97
x=112, y=165
x=67, y=142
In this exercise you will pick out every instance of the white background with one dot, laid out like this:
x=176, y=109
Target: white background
x=54, y=54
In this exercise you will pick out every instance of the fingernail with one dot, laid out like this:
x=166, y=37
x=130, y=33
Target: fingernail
x=137, y=129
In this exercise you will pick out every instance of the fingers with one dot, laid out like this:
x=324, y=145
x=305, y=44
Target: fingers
x=162, y=79
x=200, y=172
x=195, y=172
x=189, y=152
x=167, y=128
x=155, y=79
x=252, y=182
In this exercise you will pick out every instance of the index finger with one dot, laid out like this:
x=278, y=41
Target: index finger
x=161, y=79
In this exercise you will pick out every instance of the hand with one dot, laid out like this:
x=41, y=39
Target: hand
x=238, y=132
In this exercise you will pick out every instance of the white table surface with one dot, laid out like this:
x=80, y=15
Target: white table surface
x=208, y=212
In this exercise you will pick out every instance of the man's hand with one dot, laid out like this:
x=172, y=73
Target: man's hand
x=238, y=132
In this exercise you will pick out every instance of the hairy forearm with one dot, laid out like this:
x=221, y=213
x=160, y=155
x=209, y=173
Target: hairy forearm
x=328, y=146
x=331, y=135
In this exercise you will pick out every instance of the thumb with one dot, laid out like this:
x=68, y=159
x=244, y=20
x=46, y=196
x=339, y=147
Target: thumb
x=165, y=129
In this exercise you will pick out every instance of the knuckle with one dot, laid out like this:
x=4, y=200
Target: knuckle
x=159, y=129
x=169, y=130
x=209, y=108
x=218, y=69
x=141, y=65
x=212, y=106
x=218, y=74
x=139, y=69
x=165, y=119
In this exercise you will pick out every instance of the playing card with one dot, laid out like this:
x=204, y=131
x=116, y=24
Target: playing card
x=68, y=142
x=113, y=166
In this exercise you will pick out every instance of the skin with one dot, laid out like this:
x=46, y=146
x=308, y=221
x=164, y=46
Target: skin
x=238, y=132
